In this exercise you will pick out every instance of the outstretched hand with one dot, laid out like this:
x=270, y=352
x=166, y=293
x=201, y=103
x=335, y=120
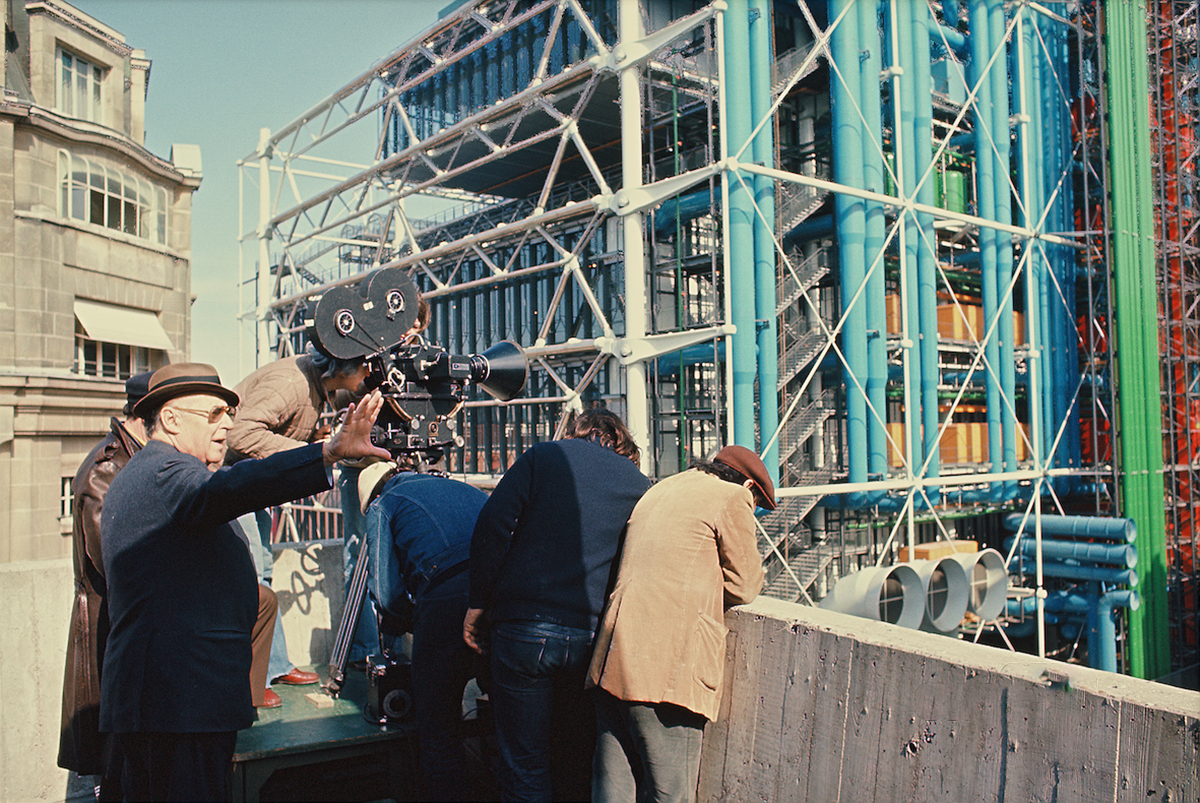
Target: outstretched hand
x=353, y=439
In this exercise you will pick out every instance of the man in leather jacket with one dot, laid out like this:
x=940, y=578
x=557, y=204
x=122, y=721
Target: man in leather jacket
x=81, y=746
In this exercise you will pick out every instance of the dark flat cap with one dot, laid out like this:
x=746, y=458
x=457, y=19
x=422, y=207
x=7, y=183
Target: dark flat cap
x=747, y=462
x=137, y=386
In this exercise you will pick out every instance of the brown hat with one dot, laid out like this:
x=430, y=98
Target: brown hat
x=747, y=462
x=183, y=379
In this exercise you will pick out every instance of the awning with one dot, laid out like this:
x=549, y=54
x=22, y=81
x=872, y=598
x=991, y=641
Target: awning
x=109, y=323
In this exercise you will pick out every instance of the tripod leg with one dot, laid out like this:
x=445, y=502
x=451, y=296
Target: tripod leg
x=350, y=614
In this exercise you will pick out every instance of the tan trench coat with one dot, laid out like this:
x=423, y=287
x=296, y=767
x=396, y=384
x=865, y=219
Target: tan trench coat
x=690, y=551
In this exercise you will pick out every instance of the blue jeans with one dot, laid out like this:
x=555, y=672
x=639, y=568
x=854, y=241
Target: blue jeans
x=442, y=664
x=259, y=522
x=545, y=721
x=645, y=752
x=354, y=526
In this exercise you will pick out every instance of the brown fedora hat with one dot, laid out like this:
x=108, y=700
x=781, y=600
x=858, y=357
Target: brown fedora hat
x=747, y=462
x=183, y=379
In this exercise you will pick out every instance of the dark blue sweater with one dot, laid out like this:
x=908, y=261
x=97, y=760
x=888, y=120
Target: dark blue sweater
x=545, y=540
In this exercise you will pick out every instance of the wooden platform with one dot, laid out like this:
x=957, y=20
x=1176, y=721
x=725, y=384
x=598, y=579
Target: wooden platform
x=374, y=761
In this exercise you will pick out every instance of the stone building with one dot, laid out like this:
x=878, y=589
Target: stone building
x=95, y=244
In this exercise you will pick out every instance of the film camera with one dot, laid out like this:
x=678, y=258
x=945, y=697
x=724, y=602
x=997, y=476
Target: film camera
x=389, y=689
x=423, y=385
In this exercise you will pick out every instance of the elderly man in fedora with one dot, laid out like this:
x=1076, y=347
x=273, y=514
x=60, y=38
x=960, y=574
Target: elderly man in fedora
x=182, y=591
x=690, y=552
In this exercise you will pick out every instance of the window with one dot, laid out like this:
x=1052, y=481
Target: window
x=111, y=198
x=116, y=342
x=66, y=505
x=77, y=91
x=111, y=360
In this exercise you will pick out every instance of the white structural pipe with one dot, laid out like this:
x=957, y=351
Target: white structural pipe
x=637, y=415
x=262, y=302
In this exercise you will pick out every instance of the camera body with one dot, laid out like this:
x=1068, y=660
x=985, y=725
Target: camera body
x=423, y=386
x=389, y=689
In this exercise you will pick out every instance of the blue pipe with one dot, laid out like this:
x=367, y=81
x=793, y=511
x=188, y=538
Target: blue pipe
x=871, y=61
x=1038, y=317
x=904, y=112
x=1003, y=242
x=761, y=65
x=1066, y=344
x=741, y=226
x=1085, y=572
x=951, y=13
x=1112, y=554
x=1099, y=608
x=1109, y=529
x=681, y=210
x=923, y=182
x=986, y=206
x=851, y=230
x=811, y=229
x=1105, y=627
x=954, y=38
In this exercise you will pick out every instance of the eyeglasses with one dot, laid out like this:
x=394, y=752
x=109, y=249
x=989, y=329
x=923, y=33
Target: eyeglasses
x=214, y=415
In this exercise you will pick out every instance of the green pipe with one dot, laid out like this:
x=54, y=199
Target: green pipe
x=1136, y=315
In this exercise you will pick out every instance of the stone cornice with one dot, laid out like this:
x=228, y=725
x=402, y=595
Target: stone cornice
x=73, y=130
x=70, y=16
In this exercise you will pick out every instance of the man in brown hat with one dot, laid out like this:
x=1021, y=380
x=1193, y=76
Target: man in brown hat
x=182, y=591
x=81, y=746
x=690, y=551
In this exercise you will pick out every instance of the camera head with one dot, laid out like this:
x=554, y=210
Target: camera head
x=423, y=385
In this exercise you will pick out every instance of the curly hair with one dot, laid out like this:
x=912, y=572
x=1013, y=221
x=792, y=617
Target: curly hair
x=607, y=429
x=720, y=471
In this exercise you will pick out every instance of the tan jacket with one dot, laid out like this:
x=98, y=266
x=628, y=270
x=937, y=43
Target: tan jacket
x=690, y=551
x=280, y=409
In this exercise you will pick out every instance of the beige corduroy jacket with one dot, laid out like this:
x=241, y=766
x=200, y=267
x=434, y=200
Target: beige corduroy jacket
x=690, y=552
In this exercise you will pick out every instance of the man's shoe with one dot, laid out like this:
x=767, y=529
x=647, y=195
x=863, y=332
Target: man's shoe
x=270, y=700
x=298, y=677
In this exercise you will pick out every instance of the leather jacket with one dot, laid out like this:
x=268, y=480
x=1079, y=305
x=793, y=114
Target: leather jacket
x=80, y=744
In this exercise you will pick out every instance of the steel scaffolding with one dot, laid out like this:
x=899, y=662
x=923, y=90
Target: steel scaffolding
x=778, y=224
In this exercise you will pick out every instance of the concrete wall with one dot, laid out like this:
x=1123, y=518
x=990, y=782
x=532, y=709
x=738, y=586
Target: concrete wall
x=821, y=706
x=35, y=609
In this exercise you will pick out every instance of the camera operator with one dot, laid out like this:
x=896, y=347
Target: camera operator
x=281, y=409
x=418, y=540
x=182, y=593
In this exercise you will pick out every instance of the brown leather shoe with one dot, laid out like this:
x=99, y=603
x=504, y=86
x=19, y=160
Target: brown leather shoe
x=298, y=677
x=270, y=700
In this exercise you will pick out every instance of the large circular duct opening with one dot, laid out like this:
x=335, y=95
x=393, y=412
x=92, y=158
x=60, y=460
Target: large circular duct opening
x=891, y=600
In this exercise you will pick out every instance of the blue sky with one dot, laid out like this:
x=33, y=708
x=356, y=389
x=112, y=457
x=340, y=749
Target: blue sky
x=223, y=69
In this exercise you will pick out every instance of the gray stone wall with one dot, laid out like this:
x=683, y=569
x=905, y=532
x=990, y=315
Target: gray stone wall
x=821, y=706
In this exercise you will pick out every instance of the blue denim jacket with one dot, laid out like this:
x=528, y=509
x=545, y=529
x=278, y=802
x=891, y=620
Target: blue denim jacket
x=419, y=527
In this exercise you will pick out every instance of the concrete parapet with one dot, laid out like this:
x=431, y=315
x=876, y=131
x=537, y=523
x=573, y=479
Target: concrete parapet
x=822, y=706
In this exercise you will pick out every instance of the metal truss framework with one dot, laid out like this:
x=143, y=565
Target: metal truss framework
x=603, y=177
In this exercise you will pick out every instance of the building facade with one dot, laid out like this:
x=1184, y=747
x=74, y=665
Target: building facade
x=95, y=242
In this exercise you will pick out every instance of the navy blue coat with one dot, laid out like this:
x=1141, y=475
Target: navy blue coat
x=544, y=543
x=182, y=593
